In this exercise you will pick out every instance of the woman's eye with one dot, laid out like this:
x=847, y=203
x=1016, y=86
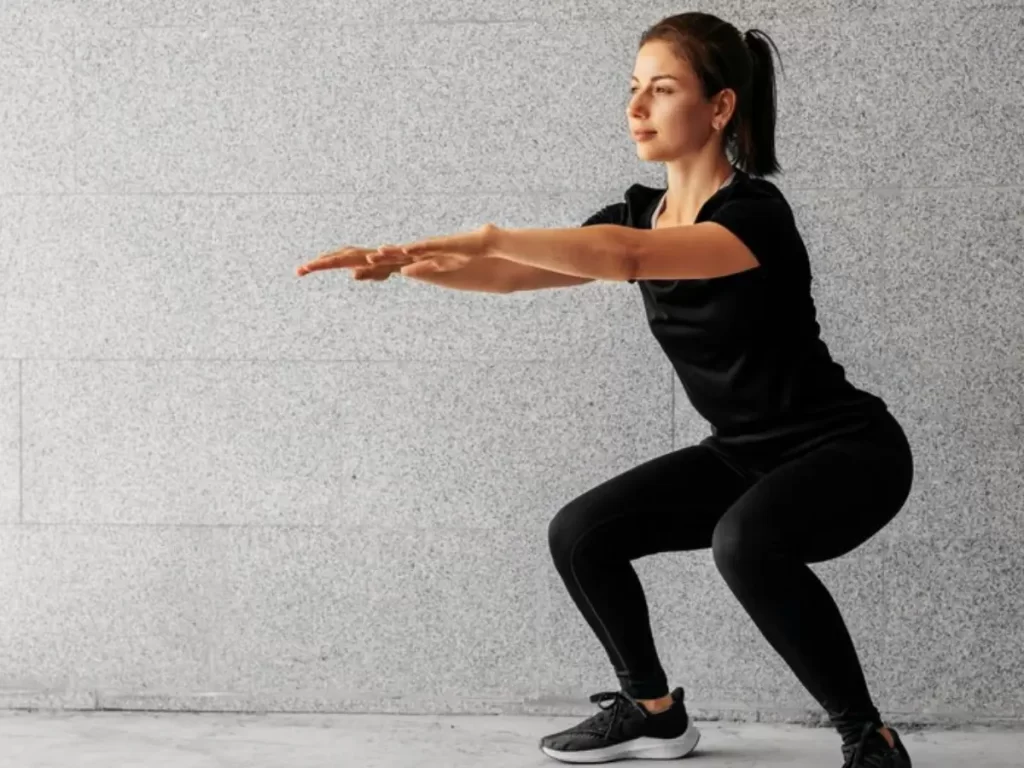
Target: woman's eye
x=656, y=90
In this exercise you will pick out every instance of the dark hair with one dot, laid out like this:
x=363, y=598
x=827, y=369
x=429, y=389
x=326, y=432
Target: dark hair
x=723, y=58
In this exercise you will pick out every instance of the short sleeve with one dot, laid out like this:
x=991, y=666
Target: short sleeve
x=764, y=224
x=610, y=214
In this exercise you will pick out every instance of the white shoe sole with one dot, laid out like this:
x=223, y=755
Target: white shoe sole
x=643, y=748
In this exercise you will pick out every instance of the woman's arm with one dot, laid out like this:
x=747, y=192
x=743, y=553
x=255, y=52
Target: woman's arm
x=486, y=275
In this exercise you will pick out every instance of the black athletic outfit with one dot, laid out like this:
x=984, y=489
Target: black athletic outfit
x=801, y=466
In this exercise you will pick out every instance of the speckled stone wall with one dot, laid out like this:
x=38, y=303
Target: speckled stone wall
x=224, y=487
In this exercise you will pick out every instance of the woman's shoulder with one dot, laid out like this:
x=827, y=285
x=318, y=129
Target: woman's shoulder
x=751, y=194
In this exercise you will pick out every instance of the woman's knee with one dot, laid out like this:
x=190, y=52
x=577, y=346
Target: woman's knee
x=747, y=549
x=725, y=545
x=735, y=544
x=575, y=521
x=565, y=529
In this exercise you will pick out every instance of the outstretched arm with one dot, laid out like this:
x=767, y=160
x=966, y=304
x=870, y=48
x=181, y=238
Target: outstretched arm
x=613, y=252
x=599, y=252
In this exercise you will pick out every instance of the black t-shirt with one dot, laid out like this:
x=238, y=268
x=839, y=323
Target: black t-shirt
x=746, y=347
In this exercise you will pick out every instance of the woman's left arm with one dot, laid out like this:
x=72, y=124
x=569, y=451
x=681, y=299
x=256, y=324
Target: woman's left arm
x=613, y=252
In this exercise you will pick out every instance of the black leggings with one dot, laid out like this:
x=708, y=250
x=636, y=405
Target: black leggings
x=763, y=528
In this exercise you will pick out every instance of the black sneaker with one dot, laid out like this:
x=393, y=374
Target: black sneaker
x=873, y=751
x=625, y=730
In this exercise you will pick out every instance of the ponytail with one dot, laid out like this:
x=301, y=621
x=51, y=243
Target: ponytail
x=755, y=126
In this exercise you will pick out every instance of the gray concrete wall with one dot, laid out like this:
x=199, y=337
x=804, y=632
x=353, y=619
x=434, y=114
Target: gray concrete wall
x=223, y=487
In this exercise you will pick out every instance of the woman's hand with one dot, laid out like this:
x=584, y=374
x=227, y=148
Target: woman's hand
x=375, y=273
x=353, y=257
x=438, y=254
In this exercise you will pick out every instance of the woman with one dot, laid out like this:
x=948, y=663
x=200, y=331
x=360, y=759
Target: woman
x=801, y=466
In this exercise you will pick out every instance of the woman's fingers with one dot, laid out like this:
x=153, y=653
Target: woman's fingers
x=374, y=273
x=420, y=268
x=389, y=254
x=353, y=257
x=423, y=250
x=374, y=269
x=441, y=262
x=350, y=256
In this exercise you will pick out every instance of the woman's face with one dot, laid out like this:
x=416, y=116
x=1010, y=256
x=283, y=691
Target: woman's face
x=666, y=98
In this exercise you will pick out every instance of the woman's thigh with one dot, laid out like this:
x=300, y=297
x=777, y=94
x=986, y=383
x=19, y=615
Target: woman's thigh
x=828, y=501
x=669, y=503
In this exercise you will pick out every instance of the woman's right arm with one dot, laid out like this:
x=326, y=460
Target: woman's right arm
x=495, y=275
x=499, y=275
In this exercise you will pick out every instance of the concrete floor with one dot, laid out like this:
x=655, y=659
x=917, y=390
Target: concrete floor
x=181, y=740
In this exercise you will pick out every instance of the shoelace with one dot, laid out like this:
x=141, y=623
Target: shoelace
x=619, y=706
x=874, y=760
